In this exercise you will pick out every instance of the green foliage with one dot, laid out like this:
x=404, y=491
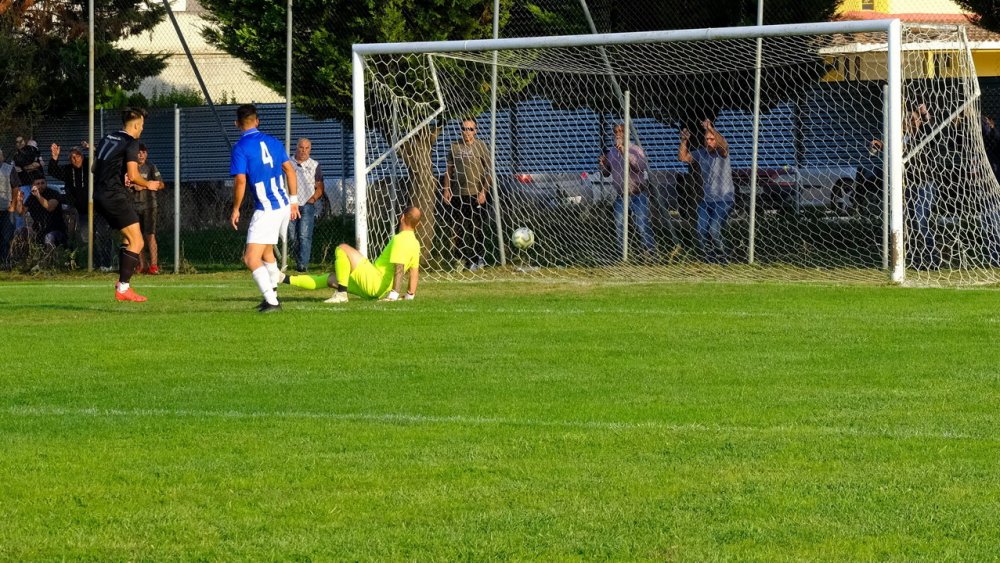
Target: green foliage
x=324, y=32
x=43, y=49
x=181, y=97
x=120, y=98
x=986, y=13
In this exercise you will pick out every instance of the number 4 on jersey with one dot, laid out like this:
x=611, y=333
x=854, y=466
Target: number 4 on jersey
x=266, y=156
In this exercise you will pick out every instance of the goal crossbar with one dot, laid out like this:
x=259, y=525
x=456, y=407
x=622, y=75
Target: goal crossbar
x=632, y=38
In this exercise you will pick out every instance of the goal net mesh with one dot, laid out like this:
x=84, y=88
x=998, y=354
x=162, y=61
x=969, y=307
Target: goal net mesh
x=819, y=210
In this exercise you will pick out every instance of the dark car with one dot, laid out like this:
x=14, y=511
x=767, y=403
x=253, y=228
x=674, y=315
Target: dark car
x=775, y=189
x=547, y=190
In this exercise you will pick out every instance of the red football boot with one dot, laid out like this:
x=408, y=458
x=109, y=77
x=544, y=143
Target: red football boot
x=128, y=295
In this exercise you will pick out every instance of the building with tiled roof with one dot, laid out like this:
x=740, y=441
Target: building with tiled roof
x=985, y=45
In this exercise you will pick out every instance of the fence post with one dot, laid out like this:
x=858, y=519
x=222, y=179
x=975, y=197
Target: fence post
x=177, y=189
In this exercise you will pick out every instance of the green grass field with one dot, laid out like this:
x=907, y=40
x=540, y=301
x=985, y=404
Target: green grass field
x=508, y=420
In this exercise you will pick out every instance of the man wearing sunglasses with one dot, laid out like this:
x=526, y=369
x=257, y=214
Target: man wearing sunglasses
x=469, y=169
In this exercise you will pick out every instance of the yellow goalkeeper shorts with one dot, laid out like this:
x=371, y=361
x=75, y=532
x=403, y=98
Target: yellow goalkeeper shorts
x=368, y=281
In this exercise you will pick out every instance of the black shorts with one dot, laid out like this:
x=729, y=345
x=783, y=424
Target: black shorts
x=116, y=207
x=147, y=220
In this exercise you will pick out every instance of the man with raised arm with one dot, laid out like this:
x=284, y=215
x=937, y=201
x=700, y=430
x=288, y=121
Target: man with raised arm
x=382, y=279
x=260, y=161
x=719, y=193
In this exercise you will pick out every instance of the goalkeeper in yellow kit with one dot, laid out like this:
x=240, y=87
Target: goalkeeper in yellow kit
x=383, y=279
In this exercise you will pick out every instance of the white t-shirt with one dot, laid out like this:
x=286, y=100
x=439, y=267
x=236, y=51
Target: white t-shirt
x=307, y=174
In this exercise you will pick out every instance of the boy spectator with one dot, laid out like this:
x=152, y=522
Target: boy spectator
x=144, y=201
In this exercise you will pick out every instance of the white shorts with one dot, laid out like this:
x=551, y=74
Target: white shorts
x=267, y=226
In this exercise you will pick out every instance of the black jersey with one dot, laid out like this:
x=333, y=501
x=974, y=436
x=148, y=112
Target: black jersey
x=111, y=159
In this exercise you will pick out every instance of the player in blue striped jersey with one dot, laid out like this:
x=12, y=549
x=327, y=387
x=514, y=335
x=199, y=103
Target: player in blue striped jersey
x=260, y=161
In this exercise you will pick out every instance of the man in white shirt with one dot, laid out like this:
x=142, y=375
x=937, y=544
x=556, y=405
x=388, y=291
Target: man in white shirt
x=310, y=180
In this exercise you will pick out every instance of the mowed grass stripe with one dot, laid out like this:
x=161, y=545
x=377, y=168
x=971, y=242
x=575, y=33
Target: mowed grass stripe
x=404, y=418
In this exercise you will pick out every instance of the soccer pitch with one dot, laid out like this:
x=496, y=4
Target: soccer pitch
x=505, y=420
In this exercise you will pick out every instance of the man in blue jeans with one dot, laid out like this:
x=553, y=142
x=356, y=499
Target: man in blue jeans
x=719, y=192
x=310, y=180
x=613, y=164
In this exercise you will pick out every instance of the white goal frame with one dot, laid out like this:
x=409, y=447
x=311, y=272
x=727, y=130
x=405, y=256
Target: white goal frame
x=894, y=118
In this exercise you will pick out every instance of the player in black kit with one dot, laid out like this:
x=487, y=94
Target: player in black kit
x=116, y=161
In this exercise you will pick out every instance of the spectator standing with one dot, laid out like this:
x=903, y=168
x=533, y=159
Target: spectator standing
x=26, y=162
x=921, y=189
x=869, y=183
x=991, y=142
x=989, y=204
x=613, y=164
x=310, y=180
x=469, y=169
x=74, y=176
x=144, y=201
x=718, y=189
x=27, y=169
x=8, y=185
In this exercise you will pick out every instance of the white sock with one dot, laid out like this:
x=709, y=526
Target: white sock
x=273, y=272
x=123, y=287
x=263, y=280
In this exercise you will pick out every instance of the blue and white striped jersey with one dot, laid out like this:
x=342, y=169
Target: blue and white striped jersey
x=260, y=157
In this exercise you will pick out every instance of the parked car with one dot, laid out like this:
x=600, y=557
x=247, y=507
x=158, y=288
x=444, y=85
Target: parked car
x=586, y=188
x=551, y=190
x=799, y=188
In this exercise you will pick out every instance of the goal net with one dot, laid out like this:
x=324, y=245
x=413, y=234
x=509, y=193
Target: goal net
x=787, y=172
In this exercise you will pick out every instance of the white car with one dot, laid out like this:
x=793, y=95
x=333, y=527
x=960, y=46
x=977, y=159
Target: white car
x=802, y=187
x=823, y=186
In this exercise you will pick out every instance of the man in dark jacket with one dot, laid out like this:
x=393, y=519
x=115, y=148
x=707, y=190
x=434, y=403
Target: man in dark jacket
x=74, y=176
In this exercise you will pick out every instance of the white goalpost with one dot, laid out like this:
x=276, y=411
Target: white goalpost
x=864, y=162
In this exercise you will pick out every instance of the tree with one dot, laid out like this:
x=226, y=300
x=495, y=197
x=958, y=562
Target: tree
x=323, y=34
x=43, y=49
x=984, y=13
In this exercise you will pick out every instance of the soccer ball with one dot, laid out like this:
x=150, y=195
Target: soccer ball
x=522, y=238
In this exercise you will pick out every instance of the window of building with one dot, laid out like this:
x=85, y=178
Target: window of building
x=867, y=4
